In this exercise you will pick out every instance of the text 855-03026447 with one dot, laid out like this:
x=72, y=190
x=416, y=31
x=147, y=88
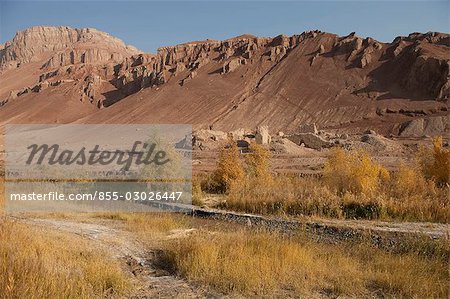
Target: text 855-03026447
x=140, y=196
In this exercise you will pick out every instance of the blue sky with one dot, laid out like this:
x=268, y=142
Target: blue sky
x=152, y=24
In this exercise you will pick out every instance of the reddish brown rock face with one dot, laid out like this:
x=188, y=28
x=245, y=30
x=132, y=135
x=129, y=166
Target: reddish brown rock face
x=60, y=74
x=68, y=46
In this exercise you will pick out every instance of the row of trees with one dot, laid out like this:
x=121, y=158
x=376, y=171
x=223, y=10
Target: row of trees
x=344, y=172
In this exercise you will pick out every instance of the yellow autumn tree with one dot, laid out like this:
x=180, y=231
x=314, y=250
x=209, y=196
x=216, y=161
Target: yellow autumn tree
x=435, y=162
x=354, y=172
x=408, y=180
x=229, y=168
x=258, y=163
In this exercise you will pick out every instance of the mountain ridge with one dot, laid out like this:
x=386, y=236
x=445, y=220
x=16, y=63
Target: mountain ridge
x=336, y=82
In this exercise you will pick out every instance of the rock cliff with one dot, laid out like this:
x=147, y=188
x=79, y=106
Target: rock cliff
x=71, y=45
x=246, y=81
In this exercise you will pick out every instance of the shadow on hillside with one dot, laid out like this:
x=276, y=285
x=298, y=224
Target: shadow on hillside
x=116, y=95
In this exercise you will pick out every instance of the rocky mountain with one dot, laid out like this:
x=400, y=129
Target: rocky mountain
x=61, y=46
x=60, y=74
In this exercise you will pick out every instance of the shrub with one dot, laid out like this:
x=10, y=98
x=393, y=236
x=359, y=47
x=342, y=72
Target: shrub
x=258, y=163
x=408, y=180
x=286, y=195
x=229, y=169
x=353, y=172
x=435, y=162
x=197, y=193
x=357, y=209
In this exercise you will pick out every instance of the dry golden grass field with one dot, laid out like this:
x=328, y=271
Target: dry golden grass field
x=118, y=255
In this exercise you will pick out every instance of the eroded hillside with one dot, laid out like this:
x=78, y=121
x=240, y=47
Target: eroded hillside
x=60, y=75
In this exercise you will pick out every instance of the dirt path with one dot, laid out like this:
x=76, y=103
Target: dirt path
x=151, y=280
x=433, y=230
x=380, y=231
